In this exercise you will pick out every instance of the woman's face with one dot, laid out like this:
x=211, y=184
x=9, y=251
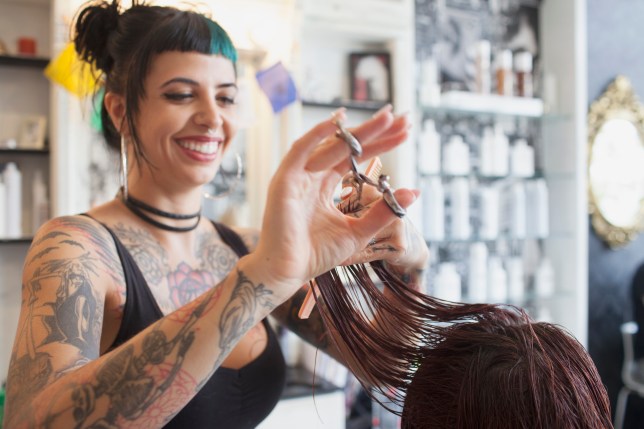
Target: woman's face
x=187, y=117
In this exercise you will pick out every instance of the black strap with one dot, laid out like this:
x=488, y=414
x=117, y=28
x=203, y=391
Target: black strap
x=232, y=239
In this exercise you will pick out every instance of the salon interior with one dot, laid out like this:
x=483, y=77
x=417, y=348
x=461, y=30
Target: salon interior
x=527, y=145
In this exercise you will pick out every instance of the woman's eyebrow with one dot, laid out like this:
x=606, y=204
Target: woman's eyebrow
x=192, y=82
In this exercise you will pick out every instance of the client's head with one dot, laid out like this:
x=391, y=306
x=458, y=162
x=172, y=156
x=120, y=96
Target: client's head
x=504, y=373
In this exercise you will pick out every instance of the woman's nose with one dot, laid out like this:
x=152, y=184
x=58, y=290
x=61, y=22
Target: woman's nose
x=209, y=115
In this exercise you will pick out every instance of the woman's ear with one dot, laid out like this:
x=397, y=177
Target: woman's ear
x=115, y=106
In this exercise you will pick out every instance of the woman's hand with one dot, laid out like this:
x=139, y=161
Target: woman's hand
x=398, y=244
x=303, y=233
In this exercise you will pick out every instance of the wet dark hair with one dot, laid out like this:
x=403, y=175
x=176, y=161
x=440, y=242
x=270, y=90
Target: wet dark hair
x=457, y=365
x=122, y=45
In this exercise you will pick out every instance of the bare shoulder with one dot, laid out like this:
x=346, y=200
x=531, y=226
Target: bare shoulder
x=74, y=237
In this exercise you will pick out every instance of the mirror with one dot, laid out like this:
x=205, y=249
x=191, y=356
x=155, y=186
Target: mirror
x=616, y=164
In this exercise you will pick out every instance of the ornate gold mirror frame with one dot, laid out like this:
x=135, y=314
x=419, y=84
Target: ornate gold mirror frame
x=616, y=164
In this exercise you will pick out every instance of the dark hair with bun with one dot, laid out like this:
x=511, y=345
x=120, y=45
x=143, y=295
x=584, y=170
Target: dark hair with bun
x=122, y=44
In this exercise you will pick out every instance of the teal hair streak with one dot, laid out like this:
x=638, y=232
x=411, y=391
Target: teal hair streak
x=220, y=43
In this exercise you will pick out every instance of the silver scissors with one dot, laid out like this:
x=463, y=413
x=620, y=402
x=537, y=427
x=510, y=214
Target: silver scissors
x=360, y=178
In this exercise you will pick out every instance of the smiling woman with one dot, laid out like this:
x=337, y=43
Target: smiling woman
x=141, y=312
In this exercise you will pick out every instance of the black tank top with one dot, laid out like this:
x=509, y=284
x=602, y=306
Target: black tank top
x=231, y=399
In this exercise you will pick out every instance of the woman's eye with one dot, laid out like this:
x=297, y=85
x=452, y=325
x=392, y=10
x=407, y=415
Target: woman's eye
x=226, y=100
x=177, y=96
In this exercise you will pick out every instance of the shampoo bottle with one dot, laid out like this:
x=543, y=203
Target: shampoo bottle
x=518, y=211
x=477, y=276
x=516, y=282
x=544, y=279
x=13, y=183
x=457, y=157
x=434, y=210
x=482, y=64
x=487, y=152
x=522, y=159
x=40, y=202
x=460, y=205
x=3, y=209
x=429, y=149
x=497, y=281
x=447, y=284
x=501, y=154
x=490, y=212
x=538, y=208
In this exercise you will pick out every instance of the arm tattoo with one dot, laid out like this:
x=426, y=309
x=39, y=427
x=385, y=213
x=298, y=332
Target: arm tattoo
x=239, y=313
x=133, y=381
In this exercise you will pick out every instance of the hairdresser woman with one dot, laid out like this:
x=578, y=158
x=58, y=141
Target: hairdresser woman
x=141, y=313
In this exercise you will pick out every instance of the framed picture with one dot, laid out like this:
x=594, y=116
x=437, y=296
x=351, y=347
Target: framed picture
x=32, y=132
x=370, y=76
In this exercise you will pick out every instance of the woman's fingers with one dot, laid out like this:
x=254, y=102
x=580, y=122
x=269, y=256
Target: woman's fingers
x=335, y=150
x=380, y=215
x=301, y=149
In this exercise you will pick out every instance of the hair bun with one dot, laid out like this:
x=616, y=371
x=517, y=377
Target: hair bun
x=94, y=25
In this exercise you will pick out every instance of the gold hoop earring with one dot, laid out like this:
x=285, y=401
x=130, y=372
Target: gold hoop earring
x=124, y=167
x=233, y=182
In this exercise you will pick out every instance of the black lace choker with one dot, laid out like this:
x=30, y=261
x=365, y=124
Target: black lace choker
x=139, y=208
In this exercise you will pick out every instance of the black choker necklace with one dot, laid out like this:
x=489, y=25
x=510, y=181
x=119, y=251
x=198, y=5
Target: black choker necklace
x=138, y=207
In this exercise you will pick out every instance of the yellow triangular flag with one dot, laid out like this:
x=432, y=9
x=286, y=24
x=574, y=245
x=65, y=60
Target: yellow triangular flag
x=74, y=74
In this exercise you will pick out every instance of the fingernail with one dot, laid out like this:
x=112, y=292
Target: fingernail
x=346, y=192
x=339, y=113
x=386, y=108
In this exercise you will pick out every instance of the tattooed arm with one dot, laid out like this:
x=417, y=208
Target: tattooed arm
x=56, y=377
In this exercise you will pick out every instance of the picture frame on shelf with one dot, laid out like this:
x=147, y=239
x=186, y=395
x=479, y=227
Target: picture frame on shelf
x=32, y=132
x=370, y=77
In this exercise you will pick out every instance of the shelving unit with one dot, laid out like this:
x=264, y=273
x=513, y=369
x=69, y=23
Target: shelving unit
x=23, y=61
x=561, y=147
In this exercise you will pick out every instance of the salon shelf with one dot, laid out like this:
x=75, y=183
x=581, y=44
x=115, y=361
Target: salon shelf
x=44, y=151
x=19, y=240
x=23, y=61
x=470, y=103
x=349, y=104
x=480, y=177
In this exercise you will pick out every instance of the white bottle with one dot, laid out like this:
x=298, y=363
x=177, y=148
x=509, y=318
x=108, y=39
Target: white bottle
x=516, y=281
x=434, y=210
x=40, y=202
x=487, y=152
x=522, y=159
x=447, y=284
x=501, y=154
x=429, y=149
x=430, y=89
x=477, y=276
x=457, y=157
x=538, y=209
x=460, y=205
x=544, y=279
x=482, y=65
x=490, y=212
x=13, y=183
x=497, y=283
x=518, y=211
x=3, y=209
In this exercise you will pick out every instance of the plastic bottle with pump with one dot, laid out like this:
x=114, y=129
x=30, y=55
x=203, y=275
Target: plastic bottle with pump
x=40, y=202
x=429, y=149
x=13, y=183
x=434, y=210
